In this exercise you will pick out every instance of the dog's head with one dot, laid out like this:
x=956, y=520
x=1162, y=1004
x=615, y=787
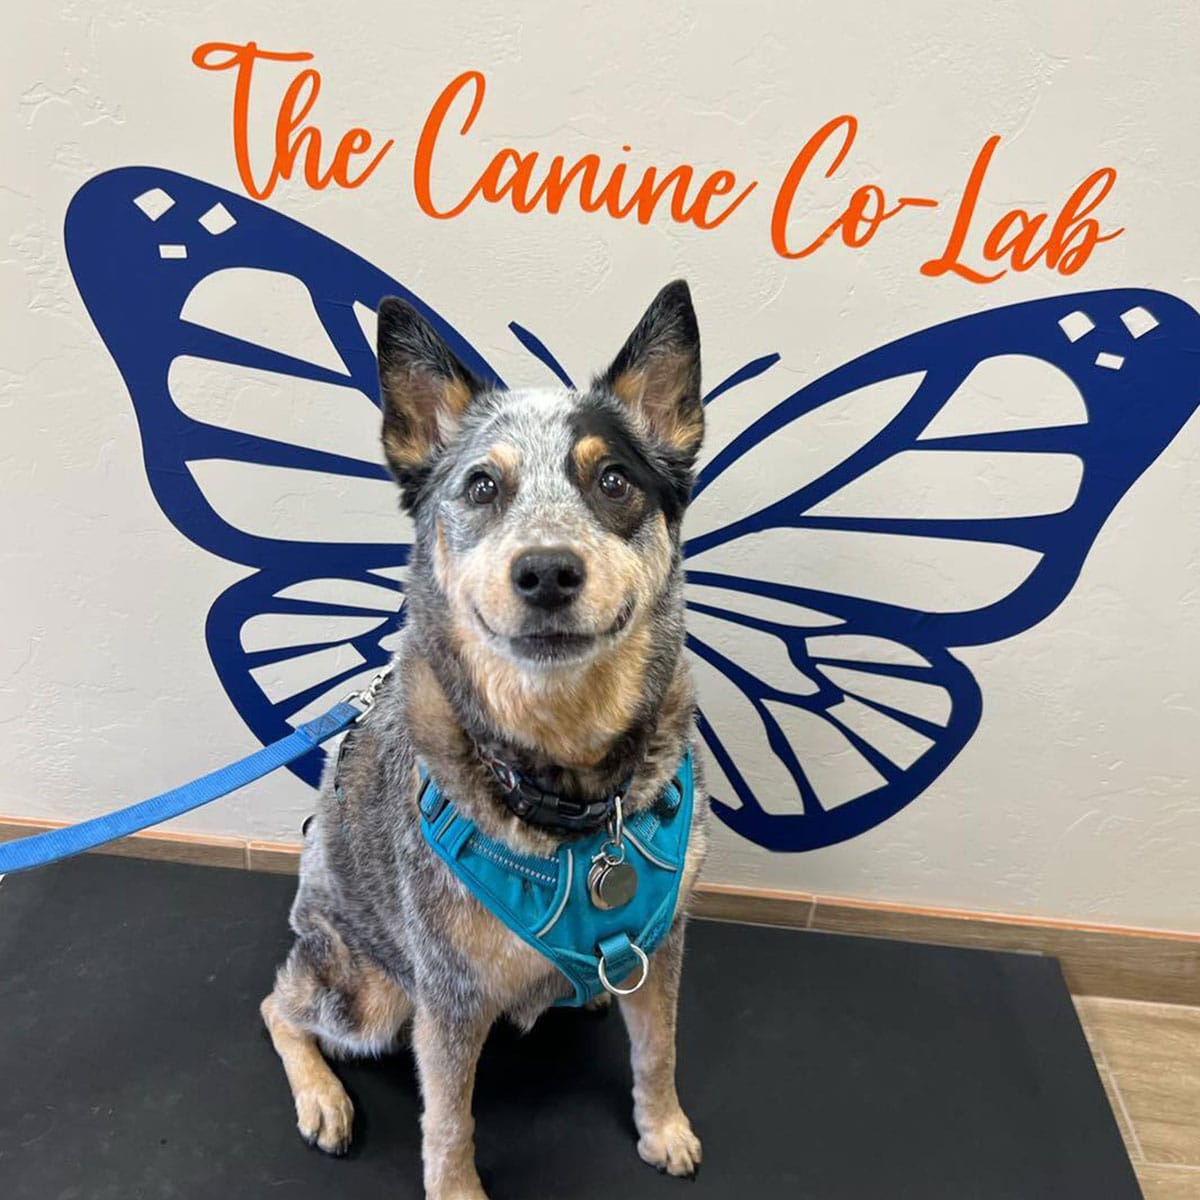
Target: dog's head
x=547, y=521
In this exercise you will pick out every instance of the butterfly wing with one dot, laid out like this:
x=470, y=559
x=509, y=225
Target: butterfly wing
x=941, y=491
x=171, y=268
x=819, y=726
x=245, y=340
x=287, y=648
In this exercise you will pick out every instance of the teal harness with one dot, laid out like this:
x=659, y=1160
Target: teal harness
x=546, y=901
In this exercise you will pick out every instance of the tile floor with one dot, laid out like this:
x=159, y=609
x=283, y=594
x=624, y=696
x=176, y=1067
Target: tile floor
x=1149, y=1059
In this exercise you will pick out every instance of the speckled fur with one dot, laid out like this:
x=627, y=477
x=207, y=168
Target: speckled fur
x=384, y=930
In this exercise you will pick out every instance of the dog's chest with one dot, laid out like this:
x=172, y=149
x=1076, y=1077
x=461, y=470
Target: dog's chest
x=505, y=966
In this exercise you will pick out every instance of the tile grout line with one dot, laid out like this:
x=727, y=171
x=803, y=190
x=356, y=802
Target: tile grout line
x=1133, y=1132
x=1193, y=1168
x=1125, y=1000
x=1092, y=1037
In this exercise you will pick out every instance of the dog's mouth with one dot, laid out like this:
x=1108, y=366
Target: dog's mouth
x=560, y=645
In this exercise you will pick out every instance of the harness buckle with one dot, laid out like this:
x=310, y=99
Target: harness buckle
x=430, y=800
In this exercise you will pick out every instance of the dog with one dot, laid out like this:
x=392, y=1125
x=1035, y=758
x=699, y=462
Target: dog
x=544, y=630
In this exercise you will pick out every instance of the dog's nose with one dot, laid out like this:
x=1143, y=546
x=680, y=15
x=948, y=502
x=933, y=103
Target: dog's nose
x=548, y=578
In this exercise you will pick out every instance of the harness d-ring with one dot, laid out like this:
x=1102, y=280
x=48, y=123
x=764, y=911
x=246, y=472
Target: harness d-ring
x=645, y=965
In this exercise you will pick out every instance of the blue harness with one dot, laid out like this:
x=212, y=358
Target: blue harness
x=546, y=901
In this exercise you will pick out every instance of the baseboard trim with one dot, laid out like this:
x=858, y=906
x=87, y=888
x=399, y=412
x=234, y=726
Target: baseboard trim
x=1097, y=960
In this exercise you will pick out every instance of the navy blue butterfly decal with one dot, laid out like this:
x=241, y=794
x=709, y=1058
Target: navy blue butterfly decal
x=939, y=492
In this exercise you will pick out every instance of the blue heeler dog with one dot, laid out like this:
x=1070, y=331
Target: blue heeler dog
x=545, y=629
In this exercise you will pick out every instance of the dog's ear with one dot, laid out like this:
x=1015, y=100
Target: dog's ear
x=657, y=373
x=425, y=390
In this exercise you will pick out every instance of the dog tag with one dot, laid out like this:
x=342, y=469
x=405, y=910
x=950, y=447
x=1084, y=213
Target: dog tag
x=611, y=882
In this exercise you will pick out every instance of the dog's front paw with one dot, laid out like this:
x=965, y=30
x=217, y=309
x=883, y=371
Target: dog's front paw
x=671, y=1146
x=324, y=1116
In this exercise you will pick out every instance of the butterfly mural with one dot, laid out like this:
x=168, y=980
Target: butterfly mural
x=845, y=539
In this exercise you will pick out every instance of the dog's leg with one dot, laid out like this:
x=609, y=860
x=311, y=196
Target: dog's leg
x=324, y=1114
x=325, y=995
x=665, y=1137
x=447, y=1050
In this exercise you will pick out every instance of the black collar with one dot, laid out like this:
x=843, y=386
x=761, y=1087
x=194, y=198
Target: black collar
x=546, y=809
x=526, y=800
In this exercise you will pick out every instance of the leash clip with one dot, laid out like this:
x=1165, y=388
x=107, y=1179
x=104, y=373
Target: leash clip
x=366, y=698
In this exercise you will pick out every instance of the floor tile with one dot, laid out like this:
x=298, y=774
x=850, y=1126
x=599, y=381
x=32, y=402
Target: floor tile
x=1153, y=1053
x=1168, y=1183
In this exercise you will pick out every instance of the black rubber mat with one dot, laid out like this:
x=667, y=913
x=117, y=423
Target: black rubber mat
x=133, y=1065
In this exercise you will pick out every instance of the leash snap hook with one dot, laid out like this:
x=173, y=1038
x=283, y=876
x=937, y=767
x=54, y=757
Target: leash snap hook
x=366, y=698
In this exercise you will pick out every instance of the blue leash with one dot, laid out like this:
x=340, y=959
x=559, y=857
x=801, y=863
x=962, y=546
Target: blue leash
x=48, y=847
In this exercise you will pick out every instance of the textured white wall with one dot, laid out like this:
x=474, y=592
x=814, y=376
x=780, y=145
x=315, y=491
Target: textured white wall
x=1077, y=796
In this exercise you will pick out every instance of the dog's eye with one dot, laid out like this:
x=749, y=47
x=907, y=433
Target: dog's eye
x=481, y=488
x=614, y=483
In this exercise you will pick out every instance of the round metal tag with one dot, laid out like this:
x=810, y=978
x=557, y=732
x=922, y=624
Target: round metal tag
x=611, y=884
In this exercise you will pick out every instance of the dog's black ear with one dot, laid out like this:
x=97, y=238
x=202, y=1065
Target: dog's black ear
x=657, y=373
x=424, y=388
